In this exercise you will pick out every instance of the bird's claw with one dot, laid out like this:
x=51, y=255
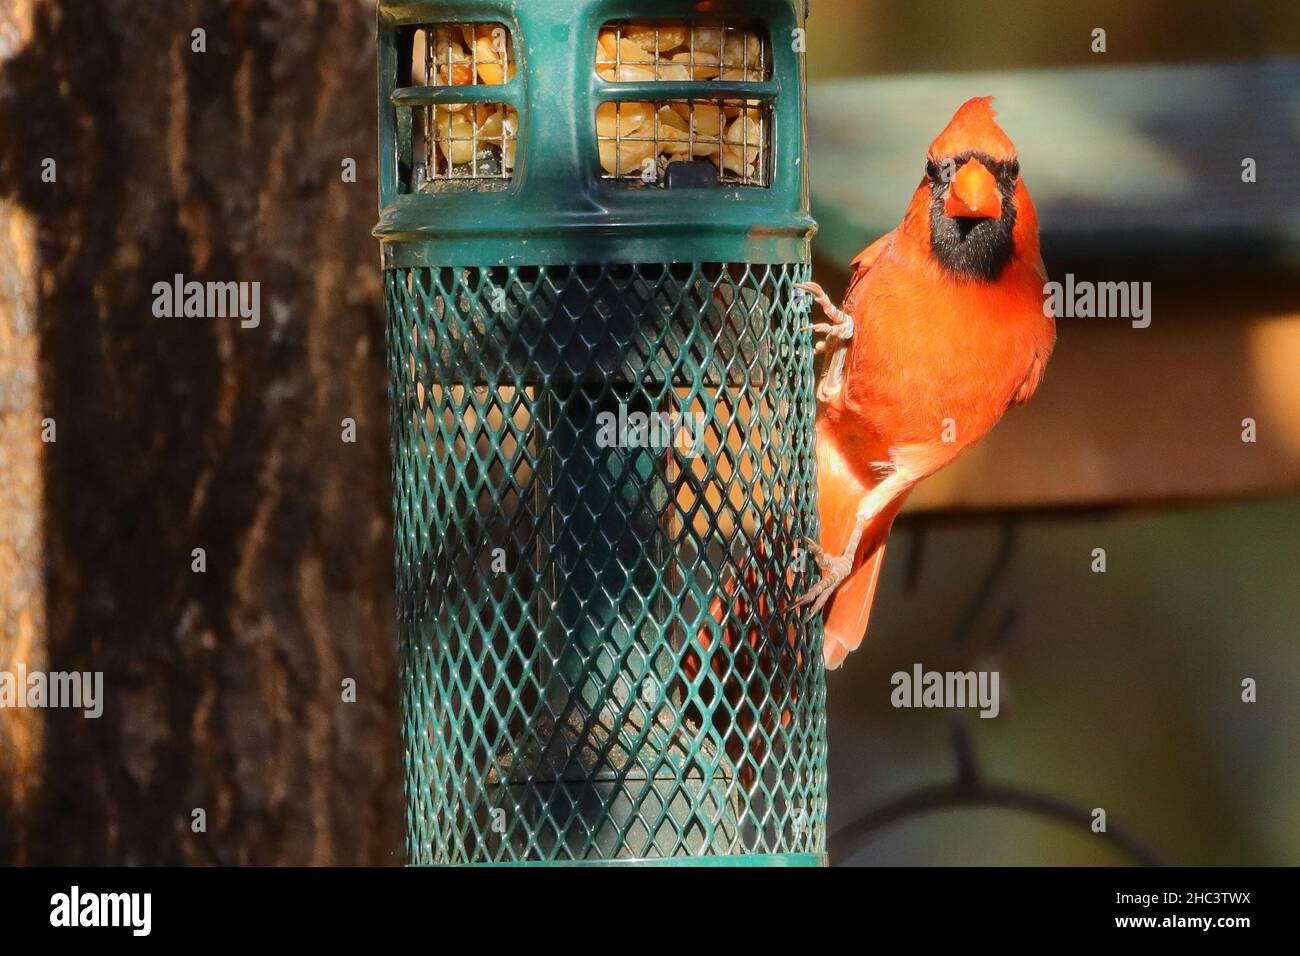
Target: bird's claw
x=817, y=551
x=835, y=569
x=813, y=289
x=840, y=330
x=840, y=327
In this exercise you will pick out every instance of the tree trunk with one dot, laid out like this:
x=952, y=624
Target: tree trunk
x=223, y=688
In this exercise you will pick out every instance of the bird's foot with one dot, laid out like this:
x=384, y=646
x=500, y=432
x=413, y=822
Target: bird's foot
x=837, y=333
x=836, y=569
x=840, y=327
x=832, y=381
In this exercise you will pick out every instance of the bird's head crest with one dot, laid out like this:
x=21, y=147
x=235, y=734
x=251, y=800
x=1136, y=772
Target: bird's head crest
x=973, y=129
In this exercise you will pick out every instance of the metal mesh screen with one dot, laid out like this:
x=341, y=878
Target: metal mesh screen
x=639, y=140
x=602, y=477
x=463, y=143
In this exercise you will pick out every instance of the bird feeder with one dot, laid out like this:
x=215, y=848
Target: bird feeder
x=593, y=215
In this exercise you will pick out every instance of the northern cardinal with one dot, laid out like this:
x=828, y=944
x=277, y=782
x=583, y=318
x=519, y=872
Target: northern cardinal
x=943, y=328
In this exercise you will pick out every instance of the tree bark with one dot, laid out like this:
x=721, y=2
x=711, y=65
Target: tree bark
x=222, y=687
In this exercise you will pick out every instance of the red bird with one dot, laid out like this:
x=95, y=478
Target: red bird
x=943, y=328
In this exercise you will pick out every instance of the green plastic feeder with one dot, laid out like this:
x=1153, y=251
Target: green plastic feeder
x=593, y=213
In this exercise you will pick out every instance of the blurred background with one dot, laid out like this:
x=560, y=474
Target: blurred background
x=1121, y=690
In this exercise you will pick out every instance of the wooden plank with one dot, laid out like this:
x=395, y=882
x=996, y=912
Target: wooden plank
x=1125, y=161
x=1150, y=415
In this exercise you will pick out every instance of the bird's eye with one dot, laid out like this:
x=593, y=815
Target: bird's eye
x=941, y=171
x=1014, y=169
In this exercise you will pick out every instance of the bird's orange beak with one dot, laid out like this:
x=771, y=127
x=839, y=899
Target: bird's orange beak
x=973, y=193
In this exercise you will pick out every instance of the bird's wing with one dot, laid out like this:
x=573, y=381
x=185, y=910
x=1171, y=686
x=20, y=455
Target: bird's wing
x=862, y=264
x=1033, y=375
x=832, y=380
